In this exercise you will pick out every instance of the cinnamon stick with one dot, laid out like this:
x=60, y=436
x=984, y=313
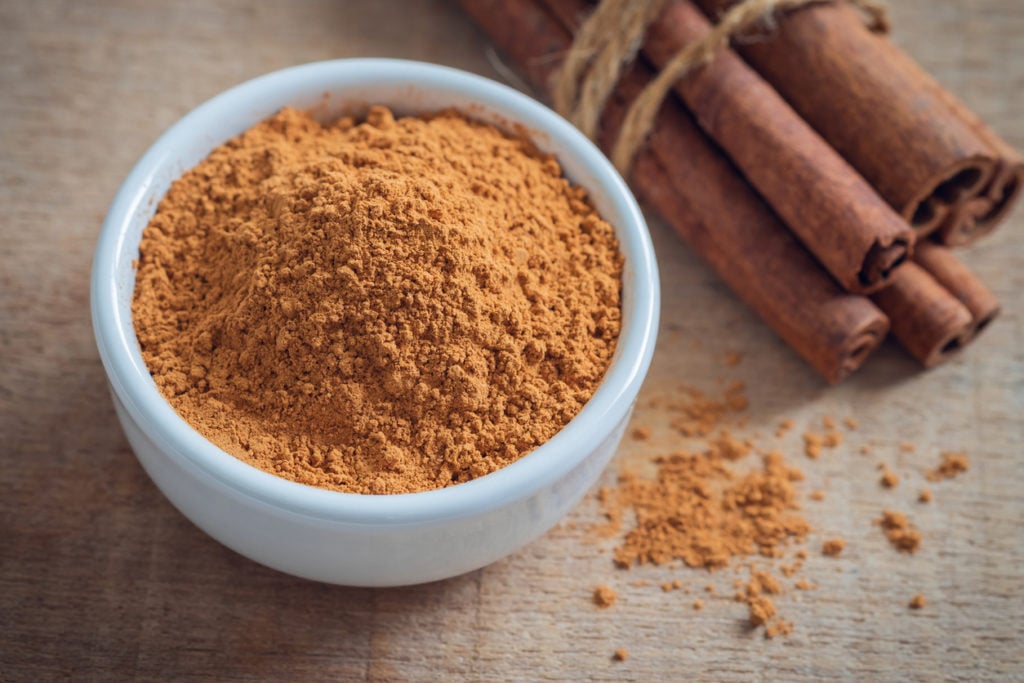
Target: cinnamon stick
x=957, y=278
x=925, y=317
x=973, y=220
x=705, y=199
x=878, y=109
x=833, y=211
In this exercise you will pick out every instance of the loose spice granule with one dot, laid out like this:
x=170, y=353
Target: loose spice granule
x=780, y=627
x=832, y=439
x=952, y=464
x=804, y=585
x=917, y=602
x=761, y=609
x=377, y=307
x=889, y=479
x=604, y=596
x=925, y=496
x=833, y=547
x=621, y=655
x=642, y=434
x=907, y=447
x=698, y=605
x=784, y=427
x=763, y=582
x=828, y=422
x=900, y=532
x=851, y=423
x=817, y=495
x=813, y=443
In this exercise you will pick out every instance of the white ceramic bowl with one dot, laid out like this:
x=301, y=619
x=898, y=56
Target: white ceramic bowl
x=347, y=538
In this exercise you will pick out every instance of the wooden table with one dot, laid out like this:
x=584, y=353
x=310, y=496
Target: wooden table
x=100, y=578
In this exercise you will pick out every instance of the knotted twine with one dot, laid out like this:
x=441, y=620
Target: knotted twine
x=610, y=38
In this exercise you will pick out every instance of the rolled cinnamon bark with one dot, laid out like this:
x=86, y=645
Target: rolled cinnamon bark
x=958, y=279
x=974, y=219
x=705, y=199
x=832, y=210
x=877, y=108
x=925, y=317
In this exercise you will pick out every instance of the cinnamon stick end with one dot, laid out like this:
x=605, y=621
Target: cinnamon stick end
x=857, y=348
x=881, y=262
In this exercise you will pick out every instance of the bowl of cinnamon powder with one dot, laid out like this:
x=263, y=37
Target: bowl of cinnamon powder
x=374, y=322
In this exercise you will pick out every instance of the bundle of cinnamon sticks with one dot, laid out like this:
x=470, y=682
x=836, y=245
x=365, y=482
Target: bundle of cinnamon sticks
x=817, y=169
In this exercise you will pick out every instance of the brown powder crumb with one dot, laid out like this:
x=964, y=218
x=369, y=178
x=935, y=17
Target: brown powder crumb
x=736, y=397
x=925, y=496
x=829, y=422
x=889, y=478
x=832, y=439
x=817, y=495
x=763, y=582
x=731, y=448
x=833, y=547
x=918, y=601
x=952, y=464
x=621, y=655
x=677, y=584
x=804, y=585
x=377, y=307
x=866, y=449
x=733, y=358
x=813, y=443
x=780, y=627
x=802, y=554
x=642, y=434
x=851, y=423
x=783, y=427
x=900, y=532
x=700, y=415
x=698, y=604
x=760, y=609
x=667, y=587
x=907, y=447
x=604, y=596
x=710, y=588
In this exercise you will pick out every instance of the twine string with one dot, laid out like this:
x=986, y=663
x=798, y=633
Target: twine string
x=610, y=38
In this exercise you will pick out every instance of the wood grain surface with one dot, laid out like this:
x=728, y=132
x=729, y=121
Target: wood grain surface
x=101, y=579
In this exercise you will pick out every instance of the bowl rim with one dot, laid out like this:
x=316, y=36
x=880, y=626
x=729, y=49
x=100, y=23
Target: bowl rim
x=132, y=384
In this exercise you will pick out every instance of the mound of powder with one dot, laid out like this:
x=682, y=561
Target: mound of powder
x=379, y=307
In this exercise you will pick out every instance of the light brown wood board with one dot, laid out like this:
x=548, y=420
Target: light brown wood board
x=101, y=579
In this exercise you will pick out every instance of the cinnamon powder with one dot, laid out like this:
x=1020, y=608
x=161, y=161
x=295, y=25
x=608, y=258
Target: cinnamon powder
x=380, y=307
x=709, y=508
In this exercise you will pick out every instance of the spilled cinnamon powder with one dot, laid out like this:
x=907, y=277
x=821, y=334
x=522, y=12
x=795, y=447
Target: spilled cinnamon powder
x=901, y=533
x=709, y=508
x=604, y=596
x=833, y=547
x=952, y=464
x=384, y=306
